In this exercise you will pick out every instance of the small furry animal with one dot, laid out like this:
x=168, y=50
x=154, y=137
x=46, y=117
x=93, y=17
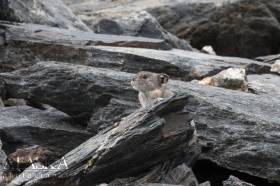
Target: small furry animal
x=151, y=87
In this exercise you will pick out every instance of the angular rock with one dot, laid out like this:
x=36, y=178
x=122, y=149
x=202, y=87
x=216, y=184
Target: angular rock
x=26, y=126
x=268, y=59
x=15, y=102
x=98, y=86
x=266, y=84
x=110, y=114
x=232, y=78
x=276, y=67
x=62, y=47
x=240, y=130
x=234, y=181
x=140, y=141
x=3, y=164
x=27, y=174
x=207, y=183
x=245, y=28
x=137, y=24
x=52, y=13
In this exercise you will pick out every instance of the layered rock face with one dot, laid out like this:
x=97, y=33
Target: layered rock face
x=70, y=116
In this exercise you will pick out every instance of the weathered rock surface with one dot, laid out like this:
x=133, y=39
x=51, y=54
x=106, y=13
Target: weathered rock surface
x=245, y=28
x=33, y=46
x=27, y=126
x=98, y=86
x=140, y=141
x=267, y=84
x=137, y=24
x=271, y=59
x=161, y=175
x=232, y=78
x=3, y=164
x=276, y=67
x=15, y=102
x=234, y=181
x=240, y=130
x=27, y=174
x=113, y=112
x=52, y=12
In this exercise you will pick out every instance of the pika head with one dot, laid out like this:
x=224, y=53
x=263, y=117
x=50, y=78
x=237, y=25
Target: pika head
x=148, y=81
x=151, y=87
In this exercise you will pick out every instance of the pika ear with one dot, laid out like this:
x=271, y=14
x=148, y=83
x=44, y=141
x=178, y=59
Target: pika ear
x=163, y=78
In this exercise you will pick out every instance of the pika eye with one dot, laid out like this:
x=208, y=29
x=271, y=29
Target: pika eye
x=144, y=77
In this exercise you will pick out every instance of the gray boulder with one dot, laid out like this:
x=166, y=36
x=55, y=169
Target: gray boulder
x=234, y=181
x=26, y=126
x=144, y=139
x=239, y=130
x=52, y=13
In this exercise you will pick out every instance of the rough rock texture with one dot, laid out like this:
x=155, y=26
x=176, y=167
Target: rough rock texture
x=240, y=130
x=32, y=47
x=3, y=163
x=161, y=175
x=15, y=102
x=267, y=84
x=52, y=12
x=27, y=174
x=111, y=113
x=140, y=141
x=138, y=24
x=234, y=181
x=40, y=83
x=232, y=78
x=271, y=59
x=276, y=67
x=246, y=28
x=26, y=126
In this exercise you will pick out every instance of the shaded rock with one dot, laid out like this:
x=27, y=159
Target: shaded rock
x=268, y=59
x=276, y=67
x=181, y=175
x=15, y=102
x=24, y=157
x=62, y=47
x=240, y=130
x=45, y=83
x=111, y=113
x=52, y=12
x=3, y=164
x=245, y=28
x=1, y=103
x=207, y=183
x=2, y=89
x=140, y=141
x=234, y=181
x=98, y=87
x=232, y=78
x=138, y=24
x=26, y=126
x=27, y=174
x=267, y=84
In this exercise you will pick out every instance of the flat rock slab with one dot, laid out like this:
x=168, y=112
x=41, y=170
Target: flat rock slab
x=241, y=130
x=140, y=141
x=268, y=84
x=35, y=32
x=24, y=125
x=32, y=45
x=52, y=13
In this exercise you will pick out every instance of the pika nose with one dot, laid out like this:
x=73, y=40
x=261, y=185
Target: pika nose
x=133, y=79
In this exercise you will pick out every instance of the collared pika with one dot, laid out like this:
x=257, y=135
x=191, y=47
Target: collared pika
x=151, y=87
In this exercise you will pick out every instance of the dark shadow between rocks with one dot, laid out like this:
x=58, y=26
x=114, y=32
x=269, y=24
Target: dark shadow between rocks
x=205, y=170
